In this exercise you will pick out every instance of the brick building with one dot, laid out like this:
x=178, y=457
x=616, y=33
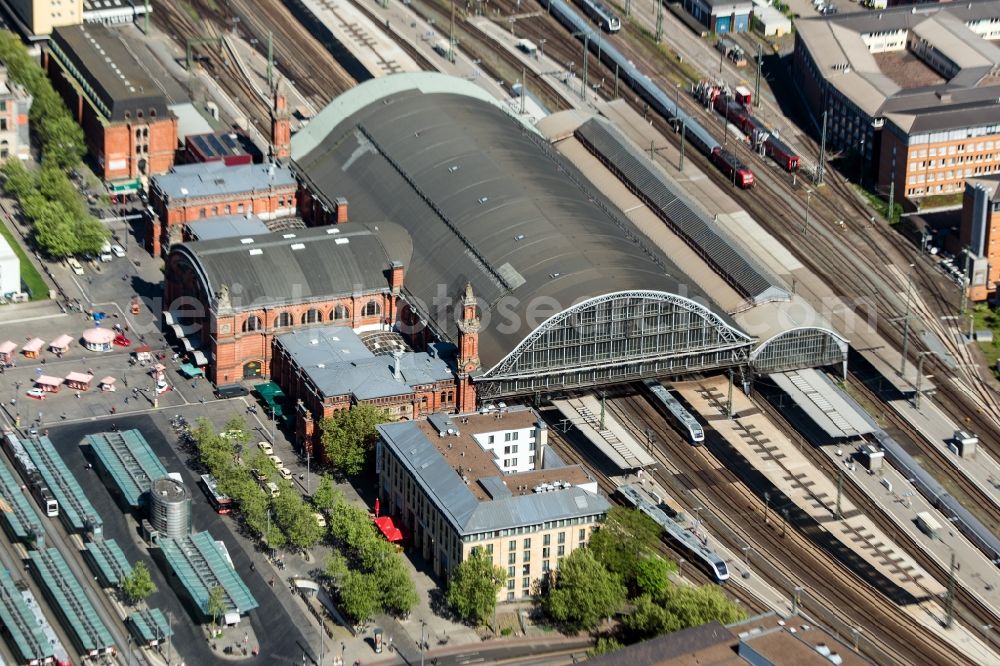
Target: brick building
x=229, y=297
x=15, y=104
x=326, y=369
x=230, y=148
x=980, y=234
x=450, y=483
x=130, y=132
x=193, y=192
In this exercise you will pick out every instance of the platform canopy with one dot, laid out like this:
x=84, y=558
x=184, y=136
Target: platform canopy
x=829, y=408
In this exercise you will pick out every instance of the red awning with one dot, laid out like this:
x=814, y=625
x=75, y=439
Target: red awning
x=388, y=529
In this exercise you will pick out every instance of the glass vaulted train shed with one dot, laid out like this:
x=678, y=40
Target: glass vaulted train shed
x=569, y=293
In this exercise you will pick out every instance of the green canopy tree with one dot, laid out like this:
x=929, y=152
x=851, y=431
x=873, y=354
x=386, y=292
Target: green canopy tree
x=349, y=436
x=694, y=606
x=473, y=588
x=653, y=574
x=584, y=592
x=398, y=592
x=359, y=595
x=326, y=494
x=19, y=182
x=626, y=538
x=216, y=603
x=138, y=585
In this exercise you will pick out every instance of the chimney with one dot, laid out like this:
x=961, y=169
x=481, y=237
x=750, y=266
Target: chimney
x=397, y=370
x=340, y=212
x=541, y=442
x=395, y=274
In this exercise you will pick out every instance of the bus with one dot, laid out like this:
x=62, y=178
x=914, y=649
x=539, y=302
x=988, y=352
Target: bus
x=221, y=503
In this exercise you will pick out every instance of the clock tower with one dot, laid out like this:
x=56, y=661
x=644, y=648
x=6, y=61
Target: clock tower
x=468, y=351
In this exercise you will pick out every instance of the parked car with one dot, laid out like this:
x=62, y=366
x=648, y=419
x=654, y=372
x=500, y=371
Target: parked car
x=122, y=341
x=36, y=393
x=117, y=250
x=320, y=520
x=74, y=265
x=266, y=448
x=285, y=473
x=276, y=460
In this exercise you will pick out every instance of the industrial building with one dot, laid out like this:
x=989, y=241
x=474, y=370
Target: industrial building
x=486, y=480
x=721, y=16
x=979, y=233
x=231, y=148
x=15, y=104
x=191, y=192
x=910, y=93
x=130, y=132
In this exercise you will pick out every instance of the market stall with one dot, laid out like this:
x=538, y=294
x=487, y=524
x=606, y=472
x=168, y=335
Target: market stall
x=48, y=384
x=98, y=339
x=107, y=384
x=143, y=354
x=33, y=348
x=61, y=344
x=79, y=381
x=7, y=352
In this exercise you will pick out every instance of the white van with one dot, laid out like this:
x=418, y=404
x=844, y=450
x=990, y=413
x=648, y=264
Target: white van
x=105, y=256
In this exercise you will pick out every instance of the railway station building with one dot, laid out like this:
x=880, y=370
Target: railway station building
x=206, y=190
x=449, y=482
x=721, y=16
x=130, y=132
x=910, y=93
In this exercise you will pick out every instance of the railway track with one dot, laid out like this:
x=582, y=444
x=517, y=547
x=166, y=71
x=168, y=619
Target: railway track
x=970, y=610
x=574, y=456
x=890, y=634
x=849, y=254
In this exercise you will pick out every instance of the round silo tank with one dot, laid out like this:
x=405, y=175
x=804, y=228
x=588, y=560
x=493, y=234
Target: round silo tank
x=170, y=508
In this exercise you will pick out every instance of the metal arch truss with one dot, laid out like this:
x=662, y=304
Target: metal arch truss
x=617, y=337
x=798, y=348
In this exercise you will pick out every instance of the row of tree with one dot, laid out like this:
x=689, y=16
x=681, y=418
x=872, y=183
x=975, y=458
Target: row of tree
x=236, y=469
x=57, y=211
x=368, y=572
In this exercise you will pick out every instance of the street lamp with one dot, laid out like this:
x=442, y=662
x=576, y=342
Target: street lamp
x=423, y=640
x=805, y=229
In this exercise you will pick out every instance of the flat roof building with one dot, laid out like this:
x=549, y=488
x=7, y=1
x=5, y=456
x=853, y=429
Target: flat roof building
x=231, y=148
x=203, y=190
x=36, y=19
x=451, y=481
x=327, y=369
x=10, y=270
x=225, y=226
x=910, y=93
x=129, y=130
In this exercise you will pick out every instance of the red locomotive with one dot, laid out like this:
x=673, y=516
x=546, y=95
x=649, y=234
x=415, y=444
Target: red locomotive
x=733, y=167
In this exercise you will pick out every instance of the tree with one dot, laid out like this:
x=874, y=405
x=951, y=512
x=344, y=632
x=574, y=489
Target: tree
x=653, y=575
x=584, y=592
x=304, y=531
x=359, y=595
x=649, y=619
x=19, y=182
x=326, y=495
x=604, y=646
x=349, y=436
x=138, y=585
x=694, y=606
x=216, y=603
x=473, y=588
x=625, y=539
x=398, y=593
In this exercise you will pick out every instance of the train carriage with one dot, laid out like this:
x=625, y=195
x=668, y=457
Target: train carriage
x=601, y=14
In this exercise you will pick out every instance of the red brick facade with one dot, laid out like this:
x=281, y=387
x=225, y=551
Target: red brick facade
x=166, y=228
x=311, y=407
x=281, y=129
x=468, y=352
x=141, y=146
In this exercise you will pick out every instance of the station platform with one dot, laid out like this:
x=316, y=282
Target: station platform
x=760, y=442
x=368, y=43
x=610, y=437
x=824, y=403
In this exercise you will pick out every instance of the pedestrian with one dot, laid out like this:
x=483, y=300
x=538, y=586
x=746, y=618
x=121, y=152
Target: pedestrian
x=126, y=400
x=125, y=381
x=77, y=395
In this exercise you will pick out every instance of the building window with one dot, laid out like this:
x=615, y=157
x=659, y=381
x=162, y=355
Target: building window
x=283, y=319
x=371, y=309
x=229, y=209
x=510, y=595
x=560, y=551
x=546, y=552
x=239, y=209
x=511, y=572
x=312, y=316
x=4, y=149
x=546, y=539
x=201, y=213
x=252, y=323
x=526, y=570
x=526, y=557
x=527, y=543
x=512, y=558
x=561, y=538
x=340, y=313
x=512, y=545
x=583, y=534
x=526, y=582
x=545, y=567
